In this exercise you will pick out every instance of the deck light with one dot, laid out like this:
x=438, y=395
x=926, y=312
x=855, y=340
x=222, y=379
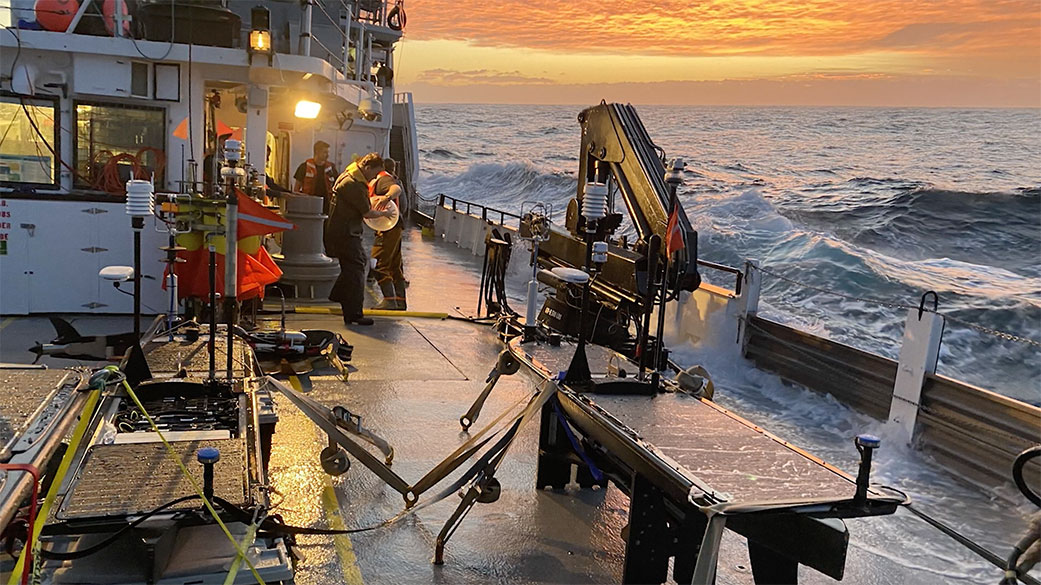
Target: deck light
x=260, y=33
x=307, y=109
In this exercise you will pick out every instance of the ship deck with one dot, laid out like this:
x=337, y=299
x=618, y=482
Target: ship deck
x=411, y=379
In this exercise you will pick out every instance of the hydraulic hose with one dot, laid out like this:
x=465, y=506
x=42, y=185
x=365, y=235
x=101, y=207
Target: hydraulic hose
x=1017, y=473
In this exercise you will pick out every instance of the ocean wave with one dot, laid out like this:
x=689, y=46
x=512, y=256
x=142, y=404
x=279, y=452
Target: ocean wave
x=503, y=185
x=443, y=153
x=917, y=221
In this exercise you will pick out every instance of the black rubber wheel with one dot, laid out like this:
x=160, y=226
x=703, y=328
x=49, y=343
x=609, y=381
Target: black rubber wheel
x=334, y=461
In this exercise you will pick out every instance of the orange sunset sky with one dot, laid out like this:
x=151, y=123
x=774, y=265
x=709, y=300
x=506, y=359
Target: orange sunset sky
x=739, y=52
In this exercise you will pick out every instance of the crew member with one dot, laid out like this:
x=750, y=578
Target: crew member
x=316, y=176
x=273, y=188
x=343, y=231
x=211, y=163
x=386, y=247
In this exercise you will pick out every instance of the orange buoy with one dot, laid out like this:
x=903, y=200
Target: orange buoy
x=108, y=10
x=56, y=15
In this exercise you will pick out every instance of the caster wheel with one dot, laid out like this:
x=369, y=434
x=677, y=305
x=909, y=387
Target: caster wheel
x=334, y=461
x=490, y=491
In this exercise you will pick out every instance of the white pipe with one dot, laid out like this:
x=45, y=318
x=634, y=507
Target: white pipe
x=347, y=41
x=305, y=30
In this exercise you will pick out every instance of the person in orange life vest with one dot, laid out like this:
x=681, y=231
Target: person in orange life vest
x=386, y=247
x=316, y=176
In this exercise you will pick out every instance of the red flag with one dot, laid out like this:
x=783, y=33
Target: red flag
x=255, y=220
x=673, y=233
x=255, y=272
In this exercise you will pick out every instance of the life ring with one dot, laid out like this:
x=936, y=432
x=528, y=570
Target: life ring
x=56, y=15
x=396, y=18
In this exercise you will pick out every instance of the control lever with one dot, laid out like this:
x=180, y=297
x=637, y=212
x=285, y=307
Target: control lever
x=207, y=456
x=506, y=365
x=866, y=444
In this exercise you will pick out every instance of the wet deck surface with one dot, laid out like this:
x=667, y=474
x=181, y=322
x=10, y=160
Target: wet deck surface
x=414, y=378
x=711, y=445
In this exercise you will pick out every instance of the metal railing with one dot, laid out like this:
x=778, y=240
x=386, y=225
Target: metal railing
x=724, y=268
x=467, y=207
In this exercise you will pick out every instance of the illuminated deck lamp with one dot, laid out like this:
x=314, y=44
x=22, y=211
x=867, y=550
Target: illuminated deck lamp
x=260, y=32
x=307, y=109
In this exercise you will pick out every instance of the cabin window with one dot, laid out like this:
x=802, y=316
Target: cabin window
x=28, y=141
x=116, y=143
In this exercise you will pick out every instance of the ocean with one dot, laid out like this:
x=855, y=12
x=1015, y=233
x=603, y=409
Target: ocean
x=870, y=203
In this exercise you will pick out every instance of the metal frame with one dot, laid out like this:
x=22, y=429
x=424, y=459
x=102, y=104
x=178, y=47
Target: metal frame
x=673, y=513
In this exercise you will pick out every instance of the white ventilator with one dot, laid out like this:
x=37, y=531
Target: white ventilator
x=140, y=199
x=594, y=202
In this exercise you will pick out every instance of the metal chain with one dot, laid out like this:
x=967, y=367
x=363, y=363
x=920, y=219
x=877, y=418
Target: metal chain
x=987, y=330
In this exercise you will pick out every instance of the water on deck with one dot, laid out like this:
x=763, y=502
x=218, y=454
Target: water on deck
x=411, y=380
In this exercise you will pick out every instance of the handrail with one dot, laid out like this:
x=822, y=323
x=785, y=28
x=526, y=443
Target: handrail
x=456, y=203
x=342, y=29
x=725, y=268
x=442, y=200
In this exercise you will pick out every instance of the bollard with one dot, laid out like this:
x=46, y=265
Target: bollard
x=304, y=263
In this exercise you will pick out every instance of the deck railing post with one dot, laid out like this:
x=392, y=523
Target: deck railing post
x=748, y=301
x=919, y=352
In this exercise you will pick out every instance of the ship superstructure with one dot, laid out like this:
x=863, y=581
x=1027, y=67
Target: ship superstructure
x=89, y=103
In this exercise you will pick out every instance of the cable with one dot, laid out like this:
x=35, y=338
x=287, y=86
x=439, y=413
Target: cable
x=1017, y=473
x=18, y=51
x=173, y=29
x=79, y=554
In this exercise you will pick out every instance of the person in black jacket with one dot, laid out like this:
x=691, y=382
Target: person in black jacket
x=343, y=231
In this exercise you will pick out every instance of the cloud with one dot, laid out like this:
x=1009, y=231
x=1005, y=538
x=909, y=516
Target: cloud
x=451, y=77
x=734, y=27
x=827, y=89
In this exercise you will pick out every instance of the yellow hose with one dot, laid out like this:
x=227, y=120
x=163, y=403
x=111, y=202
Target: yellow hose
x=372, y=312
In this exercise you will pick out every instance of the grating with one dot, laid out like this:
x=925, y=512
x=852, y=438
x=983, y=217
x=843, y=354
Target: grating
x=194, y=357
x=133, y=478
x=22, y=394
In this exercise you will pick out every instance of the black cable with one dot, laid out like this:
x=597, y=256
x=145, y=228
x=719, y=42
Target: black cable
x=965, y=541
x=79, y=554
x=18, y=51
x=173, y=28
x=1017, y=473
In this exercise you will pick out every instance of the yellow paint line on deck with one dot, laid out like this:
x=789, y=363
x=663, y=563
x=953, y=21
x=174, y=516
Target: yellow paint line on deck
x=342, y=542
x=7, y=322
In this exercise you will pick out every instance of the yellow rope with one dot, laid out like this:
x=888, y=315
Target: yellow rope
x=194, y=484
x=59, y=477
